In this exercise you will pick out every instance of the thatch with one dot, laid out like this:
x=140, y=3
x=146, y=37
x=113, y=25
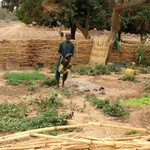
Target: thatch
x=100, y=50
x=33, y=139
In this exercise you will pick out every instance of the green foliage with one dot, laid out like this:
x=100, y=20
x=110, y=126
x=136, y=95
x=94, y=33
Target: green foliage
x=147, y=63
x=115, y=108
x=23, y=76
x=147, y=87
x=98, y=70
x=66, y=91
x=131, y=132
x=144, y=70
x=128, y=78
x=49, y=82
x=13, y=82
x=142, y=101
x=50, y=102
x=9, y=111
x=14, y=117
x=52, y=69
x=140, y=56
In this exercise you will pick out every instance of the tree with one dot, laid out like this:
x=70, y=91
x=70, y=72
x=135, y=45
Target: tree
x=9, y=4
x=136, y=20
x=80, y=13
x=117, y=7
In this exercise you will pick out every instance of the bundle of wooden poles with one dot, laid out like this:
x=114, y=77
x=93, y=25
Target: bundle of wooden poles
x=36, y=139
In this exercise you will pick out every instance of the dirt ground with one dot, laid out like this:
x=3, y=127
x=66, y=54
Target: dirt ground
x=81, y=86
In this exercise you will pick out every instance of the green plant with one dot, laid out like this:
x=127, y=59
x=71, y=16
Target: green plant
x=83, y=70
x=142, y=101
x=115, y=109
x=140, y=56
x=49, y=102
x=37, y=67
x=23, y=76
x=113, y=68
x=9, y=110
x=49, y=82
x=66, y=91
x=144, y=70
x=147, y=87
x=14, y=116
x=13, y=82
x=131, y=132
x=128, y=78
x=52, y=69
x=97, y=102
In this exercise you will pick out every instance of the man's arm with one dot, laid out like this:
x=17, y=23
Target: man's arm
x=71, y=53
x=60, y=51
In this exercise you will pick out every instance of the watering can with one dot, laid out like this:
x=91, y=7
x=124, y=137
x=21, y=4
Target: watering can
x=64, y=66
x=129, y=72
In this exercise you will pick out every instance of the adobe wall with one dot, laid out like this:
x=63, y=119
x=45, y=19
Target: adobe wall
x=29, y=52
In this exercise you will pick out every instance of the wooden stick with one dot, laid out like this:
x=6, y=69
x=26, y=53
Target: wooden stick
x=20, y=134
x=122, y=127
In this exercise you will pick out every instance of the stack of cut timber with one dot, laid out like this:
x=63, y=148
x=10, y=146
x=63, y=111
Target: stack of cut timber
x=33, y=139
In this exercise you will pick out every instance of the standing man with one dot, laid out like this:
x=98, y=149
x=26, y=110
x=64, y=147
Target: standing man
x=65, y=51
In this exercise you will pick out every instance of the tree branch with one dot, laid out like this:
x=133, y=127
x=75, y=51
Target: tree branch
x=131, y=4
x=76, y=22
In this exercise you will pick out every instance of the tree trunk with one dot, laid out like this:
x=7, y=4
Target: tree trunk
x=73, y=31
x=115, y=27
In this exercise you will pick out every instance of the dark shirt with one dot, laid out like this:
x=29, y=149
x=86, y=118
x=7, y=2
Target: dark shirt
x=66, y=48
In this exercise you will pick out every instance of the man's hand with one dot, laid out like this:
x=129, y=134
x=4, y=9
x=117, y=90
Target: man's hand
x=70, y=54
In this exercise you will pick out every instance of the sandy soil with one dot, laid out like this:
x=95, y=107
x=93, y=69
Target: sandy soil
x=83, y=110
x=81, y=86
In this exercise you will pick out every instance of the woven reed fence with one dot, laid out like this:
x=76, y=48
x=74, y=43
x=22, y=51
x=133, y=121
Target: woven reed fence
x=35, y=139
x=125, y=54
x=99, y=51
x=29, y=52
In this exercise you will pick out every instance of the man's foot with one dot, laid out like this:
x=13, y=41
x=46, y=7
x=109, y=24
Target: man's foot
x=57, y=86
x=63, y=85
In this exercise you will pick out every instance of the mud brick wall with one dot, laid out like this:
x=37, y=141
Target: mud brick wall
x=29, y=52
x=127, y=53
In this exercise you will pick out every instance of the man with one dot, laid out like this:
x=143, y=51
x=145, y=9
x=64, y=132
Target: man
x=65, y=51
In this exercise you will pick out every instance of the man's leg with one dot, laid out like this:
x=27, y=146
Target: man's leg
x=64, y=78
x=57, y=77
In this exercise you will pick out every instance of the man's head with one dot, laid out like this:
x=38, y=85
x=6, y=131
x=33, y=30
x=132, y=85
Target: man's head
x=68, y=36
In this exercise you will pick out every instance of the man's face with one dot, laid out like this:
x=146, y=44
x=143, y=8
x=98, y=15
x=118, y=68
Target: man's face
x=68, y=37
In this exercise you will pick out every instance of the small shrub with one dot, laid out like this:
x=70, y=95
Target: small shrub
x=113, y=68
x=49, y=82
x=147, y=87
x=96, y=102
x=140, y=56
x=116, y=109
x=9, y=110
x=84, y=70
x=144, y=70
x=66, y=91
x=13, y=82
x=52, y=69
x=50, y=102
x=128, y=78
